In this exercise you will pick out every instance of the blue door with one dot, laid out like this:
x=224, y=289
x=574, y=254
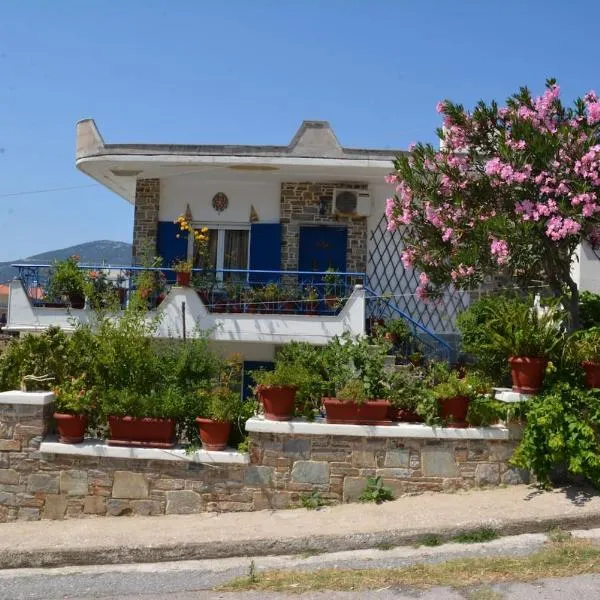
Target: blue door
x=322, y=248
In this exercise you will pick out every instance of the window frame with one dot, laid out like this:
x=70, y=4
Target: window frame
x=221, y=229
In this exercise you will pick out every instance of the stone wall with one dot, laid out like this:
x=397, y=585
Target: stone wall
x=38, y=483
x=300, y=206
x=145, y=219
x=337, y=466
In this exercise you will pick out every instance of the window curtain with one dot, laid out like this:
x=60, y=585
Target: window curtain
x=236, y=252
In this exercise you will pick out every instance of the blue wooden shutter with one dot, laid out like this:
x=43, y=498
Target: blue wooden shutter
x=170, y=247
x=265, y=251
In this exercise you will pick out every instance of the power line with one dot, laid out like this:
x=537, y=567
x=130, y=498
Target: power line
x=47, y=190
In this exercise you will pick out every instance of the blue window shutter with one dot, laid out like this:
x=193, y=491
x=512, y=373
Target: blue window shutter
x=265, y=251
x=170, y=247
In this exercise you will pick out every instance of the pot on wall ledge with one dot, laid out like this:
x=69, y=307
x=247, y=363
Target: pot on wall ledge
x=214, y=435
x=454, y=411
x=278, y=401
x=592, y=373
x=71, y=428
x=371, y=412
x=183, y=278
x=527, y=373
x=147, y=432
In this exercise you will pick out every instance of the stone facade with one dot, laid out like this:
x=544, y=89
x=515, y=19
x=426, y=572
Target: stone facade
x=300, y=206
x=147, y=203
x=36, y=485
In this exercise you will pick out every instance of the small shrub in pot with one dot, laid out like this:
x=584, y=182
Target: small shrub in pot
x=583, y=347
x=75, y=401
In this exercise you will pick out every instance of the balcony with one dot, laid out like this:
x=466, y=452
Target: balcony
x=231, y=305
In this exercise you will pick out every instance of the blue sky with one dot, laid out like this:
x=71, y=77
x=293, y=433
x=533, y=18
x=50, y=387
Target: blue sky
x=248, y=71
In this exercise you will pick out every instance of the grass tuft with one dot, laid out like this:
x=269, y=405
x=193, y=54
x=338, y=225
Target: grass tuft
x=485, y=534
x=560, y=559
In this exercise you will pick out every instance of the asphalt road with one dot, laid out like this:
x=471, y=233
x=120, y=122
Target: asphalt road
x=195, y=580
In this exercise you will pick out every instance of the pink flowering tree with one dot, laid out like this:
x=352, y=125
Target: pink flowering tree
x=511, y=192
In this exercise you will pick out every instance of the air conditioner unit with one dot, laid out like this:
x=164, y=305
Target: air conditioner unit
x=351, y=203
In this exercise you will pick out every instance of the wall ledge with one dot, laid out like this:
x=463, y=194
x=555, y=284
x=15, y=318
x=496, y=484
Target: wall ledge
x=397, y=430
x=98, y=448
x=26, y=398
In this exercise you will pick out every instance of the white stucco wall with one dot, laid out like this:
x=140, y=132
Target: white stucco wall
x=198, y=191
x=586, y=269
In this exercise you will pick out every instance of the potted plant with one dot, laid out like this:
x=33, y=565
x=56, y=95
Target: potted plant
x=271, y=296
x=67, y=282
x=311, y=298
x=183, y=272
x=584, y=348
x=277, y=389
x=332, y=281
x=138, y=419
x=454, y=393
x=396, y=332
x=220, y=408
x=406, y=390
x=353, y=405
x=74, y=402
x=528, y=335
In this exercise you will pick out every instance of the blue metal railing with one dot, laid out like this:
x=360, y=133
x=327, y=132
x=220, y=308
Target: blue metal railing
x=383, y=308
x=222, y=290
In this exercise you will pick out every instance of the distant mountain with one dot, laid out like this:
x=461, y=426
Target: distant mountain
x=96, y=253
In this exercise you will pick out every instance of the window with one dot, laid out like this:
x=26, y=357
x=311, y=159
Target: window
x=227, y=249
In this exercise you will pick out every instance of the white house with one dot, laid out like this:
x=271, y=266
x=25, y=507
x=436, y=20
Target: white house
x=274, y=214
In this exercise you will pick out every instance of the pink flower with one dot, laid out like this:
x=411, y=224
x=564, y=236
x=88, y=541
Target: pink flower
x=499, y=250
x=448, y=231
x=407, y=257
x=558, y=228
x=391, y=178
x=439, y=107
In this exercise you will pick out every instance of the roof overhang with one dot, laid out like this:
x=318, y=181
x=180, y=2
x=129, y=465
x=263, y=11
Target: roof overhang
x=314, y=154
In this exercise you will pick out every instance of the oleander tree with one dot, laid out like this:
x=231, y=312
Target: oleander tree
x=511, y=192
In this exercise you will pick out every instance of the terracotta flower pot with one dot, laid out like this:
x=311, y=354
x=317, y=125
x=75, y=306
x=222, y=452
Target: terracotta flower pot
x=183, y=278
x=213, y=434
x=77, y=300
x=404, y=416
x=71, y=428
x=592, y=374
x=454, y=410
x=527, y=373
x=371, y=412
x=331, y=301
x=278, y=401
x=143, y=431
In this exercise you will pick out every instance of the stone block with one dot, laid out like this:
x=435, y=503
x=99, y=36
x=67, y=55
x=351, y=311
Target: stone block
x=394, y=473
x=74, y=483
x=363, y=458
x=309, y=471
x=353, y=488
x=94, y=505
x=501, y=452
x=9, y=477
x=297, y=448
x=28, y=514
x=42, y=482
x=117, y=508
x=183, y=502
x=487, y=474
x=515, y=476
x=438, y=462
x=128, y=485
x=397, y=458
x=10, y=445
x=55, y=507
x=259, y=475
x=8, y=499
x=168, y=484
x=260, y=501
x=146, y=507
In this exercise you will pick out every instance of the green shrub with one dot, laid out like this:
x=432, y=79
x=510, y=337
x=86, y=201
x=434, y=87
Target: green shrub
x=406, y=388
x=562, y=431
x=589, y=310
x=354, y=391
x=168, y=403
x=66, y=280
x=75, y=397
x=584, y=346
x=375, y=491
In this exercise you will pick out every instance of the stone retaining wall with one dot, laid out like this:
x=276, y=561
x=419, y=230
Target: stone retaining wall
x=39, y=484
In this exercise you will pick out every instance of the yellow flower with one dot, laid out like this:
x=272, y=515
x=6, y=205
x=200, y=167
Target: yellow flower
x=204, y=230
